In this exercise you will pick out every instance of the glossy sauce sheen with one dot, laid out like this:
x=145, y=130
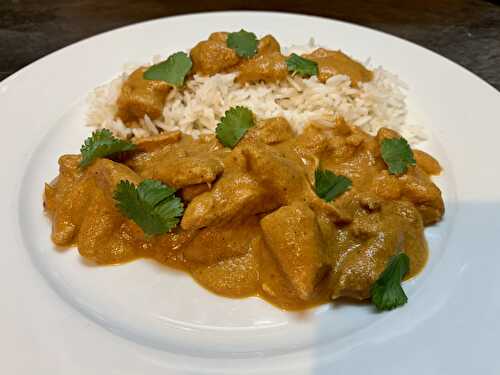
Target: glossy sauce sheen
x=253, y=224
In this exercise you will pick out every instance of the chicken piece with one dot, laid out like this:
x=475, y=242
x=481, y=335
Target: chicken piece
x=190, y=170
x=331, y=63
x=417, y=187
x=363, y=249
x=148, y=144
x=293, y=236
x=386, y=133
x=341, y=127
x=107, y=174
x=271, y=131
x=268, y=65
x=284, y=178
x=231, y=277
x=274, y=283
x=104, y=236
x=70, y=210
x=66, y=200
x=74, y=193
x=331, y=139
x=267, y=68
x=313, y=140
x=386, y=185
x=188, y=193
x=427, y=163
x=182, y=163
x=267, y=45
x=213, y=55
x=226, y=241
x=64, y=222
x=140, y=97
x=370, y=201
x=234, y=195
x=49, y=198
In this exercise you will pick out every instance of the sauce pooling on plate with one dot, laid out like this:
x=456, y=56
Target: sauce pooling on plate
x=254, y=222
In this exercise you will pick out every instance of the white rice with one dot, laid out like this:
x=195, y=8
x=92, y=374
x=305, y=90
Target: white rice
x=197, y=108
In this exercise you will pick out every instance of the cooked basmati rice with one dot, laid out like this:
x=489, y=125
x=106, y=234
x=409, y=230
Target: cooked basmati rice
x=197, y=108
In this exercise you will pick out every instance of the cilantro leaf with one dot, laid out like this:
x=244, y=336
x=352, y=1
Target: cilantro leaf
x=301, y=66
x=233, y=126
x=152, y=205
x=173, y=70
x=328, y=185
x=102, y=144
x=244, y=43
x=397, y=154
x=387, y=292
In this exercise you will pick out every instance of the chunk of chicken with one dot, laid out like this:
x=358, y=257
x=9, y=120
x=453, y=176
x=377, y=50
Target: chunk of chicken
x=213, y=55
x=71, y=203
x=335, y=62
x=268, y=65
x=267, y=68
x=180, y=162
x=428, y=164
x=140, y=97
x=282, y=177
x=188, y=193
x=107, y=174
x=271, y=131
x=63, y=200
x=267, y=45
x=104, y=232
x=364, y=249
x=234, y=195
x=417, y=187
x=274, y=283
x=190, y=170
x=293, y=236
x=149, y=144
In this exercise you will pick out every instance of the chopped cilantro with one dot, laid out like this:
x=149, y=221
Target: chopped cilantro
x=233, y=126
x=102, y=144
x=173, y=70
x=397, y=154
x=244, y=43
x=328, y=185
x=301, y=66
x=152, y=205
x=387, y=292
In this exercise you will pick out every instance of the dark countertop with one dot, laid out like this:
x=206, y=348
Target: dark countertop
x=467, y=32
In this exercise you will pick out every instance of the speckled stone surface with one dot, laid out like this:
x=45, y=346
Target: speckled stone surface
x=467, y=32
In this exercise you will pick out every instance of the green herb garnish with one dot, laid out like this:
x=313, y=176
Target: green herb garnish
x=152, y=205
x=301, y=66
x=233, y=126
x=100, y=145
x=387, y=292
x=173, y=70
x=328, y=185
x=244, y=43
x=397, y=154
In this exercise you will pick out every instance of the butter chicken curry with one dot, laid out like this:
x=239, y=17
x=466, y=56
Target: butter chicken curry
x=252, y=218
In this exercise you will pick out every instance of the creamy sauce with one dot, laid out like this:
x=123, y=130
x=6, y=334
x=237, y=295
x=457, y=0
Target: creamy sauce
x=253, y=224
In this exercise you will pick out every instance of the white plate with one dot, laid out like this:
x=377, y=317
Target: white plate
x=61, y=316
